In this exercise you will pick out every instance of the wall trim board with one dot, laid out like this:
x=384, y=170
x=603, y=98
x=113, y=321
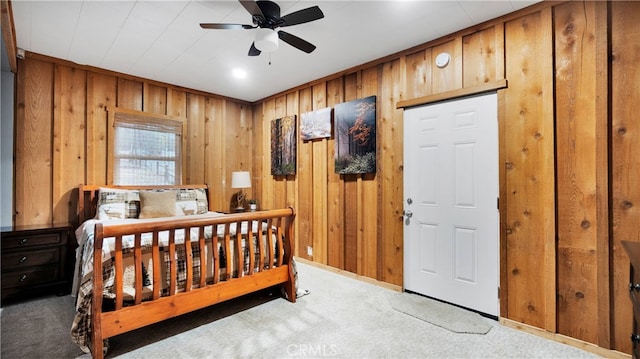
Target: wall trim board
x=450, y=95
x=352, y=275
x=580, y=344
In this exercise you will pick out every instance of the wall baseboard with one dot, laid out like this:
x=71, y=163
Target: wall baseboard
x=580, y=344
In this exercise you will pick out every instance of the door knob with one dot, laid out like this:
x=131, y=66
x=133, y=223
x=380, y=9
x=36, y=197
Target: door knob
x=408, y=214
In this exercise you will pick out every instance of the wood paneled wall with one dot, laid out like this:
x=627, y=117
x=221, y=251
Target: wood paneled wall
x=568, y=142
x=562, y=268
x=61, y=134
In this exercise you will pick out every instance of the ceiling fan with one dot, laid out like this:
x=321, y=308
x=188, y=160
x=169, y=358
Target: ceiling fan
x=266, y=17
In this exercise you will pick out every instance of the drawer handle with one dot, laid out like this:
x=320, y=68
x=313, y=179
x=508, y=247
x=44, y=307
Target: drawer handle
x=23, y=278
x=24, y=241
x=23, y=259
x=634, y=286
x=635, y=338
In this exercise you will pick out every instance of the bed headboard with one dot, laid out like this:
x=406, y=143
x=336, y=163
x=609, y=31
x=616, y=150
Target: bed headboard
x=88, y=196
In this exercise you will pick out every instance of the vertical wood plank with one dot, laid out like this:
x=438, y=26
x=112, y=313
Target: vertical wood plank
x=335, y=189
x=177, y=102
x=418, y=74
x=625, y=152
x=130, y=94
x=237, y=150
x=479, y=57
x=602, y=145
x=196, y=139
x=68, y=140
x=576, y=124
x=268, y=189
x=304, y=210
x=352, y=257
x=246, y=144
x=155, y=99
x=529, y=171
x=33, y=141
x=390, y=154
x=101, y=93
x=320, y=224
x=371, y=239
x=214, y=155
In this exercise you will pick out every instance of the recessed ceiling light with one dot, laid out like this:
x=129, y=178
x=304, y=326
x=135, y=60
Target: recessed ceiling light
x=239, y=73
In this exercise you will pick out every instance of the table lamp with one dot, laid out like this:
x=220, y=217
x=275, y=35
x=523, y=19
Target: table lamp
x=241, y=180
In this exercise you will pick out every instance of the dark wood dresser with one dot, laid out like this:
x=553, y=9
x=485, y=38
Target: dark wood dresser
x=633, y=251
x=36, y=259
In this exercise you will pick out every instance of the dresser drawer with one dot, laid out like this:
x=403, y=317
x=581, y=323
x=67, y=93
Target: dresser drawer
x=30, y=277
x=22, y=259
x=9, y=242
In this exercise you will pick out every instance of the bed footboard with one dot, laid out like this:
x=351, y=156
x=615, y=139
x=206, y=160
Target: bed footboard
x=258, y=244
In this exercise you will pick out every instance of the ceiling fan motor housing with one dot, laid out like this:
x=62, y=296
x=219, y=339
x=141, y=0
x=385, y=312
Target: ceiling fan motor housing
x=270, y=17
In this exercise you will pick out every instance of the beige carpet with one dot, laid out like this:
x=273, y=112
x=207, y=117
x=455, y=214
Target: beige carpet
x=340, y=318
x=446, y=316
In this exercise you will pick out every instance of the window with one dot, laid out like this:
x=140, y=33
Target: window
x=146, y=150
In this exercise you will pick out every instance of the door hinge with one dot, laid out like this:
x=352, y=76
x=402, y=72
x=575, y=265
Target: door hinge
x=498, y=203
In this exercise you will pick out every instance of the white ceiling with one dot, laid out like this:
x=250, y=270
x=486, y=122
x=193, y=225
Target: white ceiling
x=162, y=40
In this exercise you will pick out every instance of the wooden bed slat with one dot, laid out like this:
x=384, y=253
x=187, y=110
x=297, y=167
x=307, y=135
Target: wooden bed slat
x=173, y=265
x=239, y=253
x=137, y=258
x=250, y=244
x=119, y=273
x=203, y=257
x=279, y=243
x=188, y=255
x=261, y=248
x=216, y=257
x=270, y=241
x=227, y=251
x=157, y=286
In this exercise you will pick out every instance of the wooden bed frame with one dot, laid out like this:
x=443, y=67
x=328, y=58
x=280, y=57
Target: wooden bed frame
x=142, y=313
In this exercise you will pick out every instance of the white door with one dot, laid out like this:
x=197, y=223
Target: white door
x=451, y=232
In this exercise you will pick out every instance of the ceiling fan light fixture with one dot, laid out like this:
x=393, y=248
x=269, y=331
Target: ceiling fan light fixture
x=266, y=40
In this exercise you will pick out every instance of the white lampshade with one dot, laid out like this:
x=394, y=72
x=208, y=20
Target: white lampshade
x=266, y=40
x=240, y=179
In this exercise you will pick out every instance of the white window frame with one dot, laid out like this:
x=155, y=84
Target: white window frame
x=163, y=123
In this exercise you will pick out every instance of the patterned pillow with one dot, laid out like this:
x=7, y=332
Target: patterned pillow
x=116, y=203
x=191, y=201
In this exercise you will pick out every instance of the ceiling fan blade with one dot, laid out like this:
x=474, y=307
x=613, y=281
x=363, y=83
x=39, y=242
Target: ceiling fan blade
x=302, y=16
x=253, y=51
x=226, y=26
x=296, y=42
x=252, y=7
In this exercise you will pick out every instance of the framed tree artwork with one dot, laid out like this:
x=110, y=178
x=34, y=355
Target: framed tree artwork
x=283, y=146
x=355, y=127
x=315, y=124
